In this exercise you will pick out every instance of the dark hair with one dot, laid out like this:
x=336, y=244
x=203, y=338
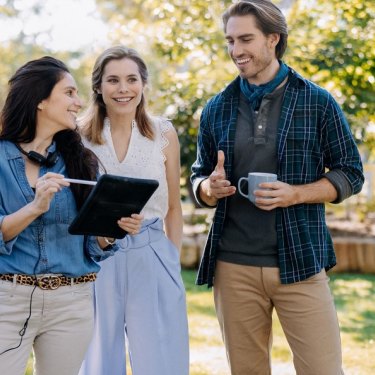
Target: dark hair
x=93, y=119
x=268, y=17
x=31, y=84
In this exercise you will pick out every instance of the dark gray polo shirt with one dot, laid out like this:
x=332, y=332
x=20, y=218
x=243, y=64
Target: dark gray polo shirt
x=249, y=235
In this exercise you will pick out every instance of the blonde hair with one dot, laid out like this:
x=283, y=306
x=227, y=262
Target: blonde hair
x=92, y=121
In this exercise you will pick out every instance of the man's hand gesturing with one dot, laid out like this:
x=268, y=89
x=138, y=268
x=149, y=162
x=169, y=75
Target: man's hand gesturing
x=216, y=186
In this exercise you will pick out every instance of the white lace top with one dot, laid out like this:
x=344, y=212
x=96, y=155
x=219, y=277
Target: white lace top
x=144, y=159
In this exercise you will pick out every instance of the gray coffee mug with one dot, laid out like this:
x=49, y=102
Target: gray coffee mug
x=253, y=180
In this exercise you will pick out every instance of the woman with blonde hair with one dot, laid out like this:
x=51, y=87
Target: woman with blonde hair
x=139, y=293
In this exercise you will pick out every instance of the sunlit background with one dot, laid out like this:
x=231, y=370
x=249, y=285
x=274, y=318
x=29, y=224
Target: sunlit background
x=58, y=24
x=331, y=42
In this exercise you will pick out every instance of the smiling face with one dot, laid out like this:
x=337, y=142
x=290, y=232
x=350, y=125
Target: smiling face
x=251, y=50
x=59, y=111
x=121, y=87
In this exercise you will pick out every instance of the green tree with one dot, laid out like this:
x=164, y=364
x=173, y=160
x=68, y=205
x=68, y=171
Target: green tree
x=23, y=47
x=183, y=44
x=332, y=42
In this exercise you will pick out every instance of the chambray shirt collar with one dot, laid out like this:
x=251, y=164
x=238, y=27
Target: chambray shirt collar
x=12, y=152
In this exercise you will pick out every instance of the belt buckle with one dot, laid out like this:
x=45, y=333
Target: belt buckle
x=49, y=282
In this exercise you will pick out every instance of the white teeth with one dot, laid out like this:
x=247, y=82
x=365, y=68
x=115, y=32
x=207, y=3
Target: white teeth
x=123, y=100
x=242, y=61
x=74, y=114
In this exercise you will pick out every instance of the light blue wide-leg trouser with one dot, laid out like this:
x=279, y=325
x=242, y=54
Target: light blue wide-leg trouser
x=139, y=292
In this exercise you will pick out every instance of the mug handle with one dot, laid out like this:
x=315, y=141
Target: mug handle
x=239, y=186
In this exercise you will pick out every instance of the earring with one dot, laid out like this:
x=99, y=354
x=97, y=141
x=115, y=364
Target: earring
x=40, y=106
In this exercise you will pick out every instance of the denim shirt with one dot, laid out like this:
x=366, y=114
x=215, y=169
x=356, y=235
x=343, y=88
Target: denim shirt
x=45, y=246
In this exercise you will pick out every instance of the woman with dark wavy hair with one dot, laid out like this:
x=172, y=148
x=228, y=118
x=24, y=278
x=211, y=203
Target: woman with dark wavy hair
x=46, y=274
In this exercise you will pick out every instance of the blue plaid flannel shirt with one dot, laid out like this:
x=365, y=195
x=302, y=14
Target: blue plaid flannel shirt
x=313, y=135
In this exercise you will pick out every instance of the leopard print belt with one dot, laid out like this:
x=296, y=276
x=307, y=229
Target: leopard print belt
x=48, y=282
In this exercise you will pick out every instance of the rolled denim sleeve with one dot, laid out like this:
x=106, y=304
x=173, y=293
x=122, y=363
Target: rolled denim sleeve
x=96, y=252
x=6, y=247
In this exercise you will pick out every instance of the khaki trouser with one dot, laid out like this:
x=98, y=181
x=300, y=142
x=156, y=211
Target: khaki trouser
x=245, y=297
x=59, y=329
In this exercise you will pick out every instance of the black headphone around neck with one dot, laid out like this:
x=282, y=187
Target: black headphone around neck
x=48, y=161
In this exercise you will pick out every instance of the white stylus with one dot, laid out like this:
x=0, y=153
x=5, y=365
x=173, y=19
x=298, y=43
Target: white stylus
x=84, y=182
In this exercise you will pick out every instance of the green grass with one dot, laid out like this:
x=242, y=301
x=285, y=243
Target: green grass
x=355, y=303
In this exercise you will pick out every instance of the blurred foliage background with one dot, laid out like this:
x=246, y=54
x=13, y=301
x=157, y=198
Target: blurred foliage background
x=330, y=42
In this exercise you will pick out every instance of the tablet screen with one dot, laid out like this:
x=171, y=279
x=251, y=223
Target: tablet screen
x=112, y=197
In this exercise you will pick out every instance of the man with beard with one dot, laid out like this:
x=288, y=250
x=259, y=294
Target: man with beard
x=273, y=254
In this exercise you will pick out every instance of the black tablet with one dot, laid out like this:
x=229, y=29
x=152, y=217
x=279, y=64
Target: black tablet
x=112, y=197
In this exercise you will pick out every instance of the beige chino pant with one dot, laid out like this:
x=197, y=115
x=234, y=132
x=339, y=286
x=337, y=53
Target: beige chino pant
x=59, y=329
x=245, y=297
